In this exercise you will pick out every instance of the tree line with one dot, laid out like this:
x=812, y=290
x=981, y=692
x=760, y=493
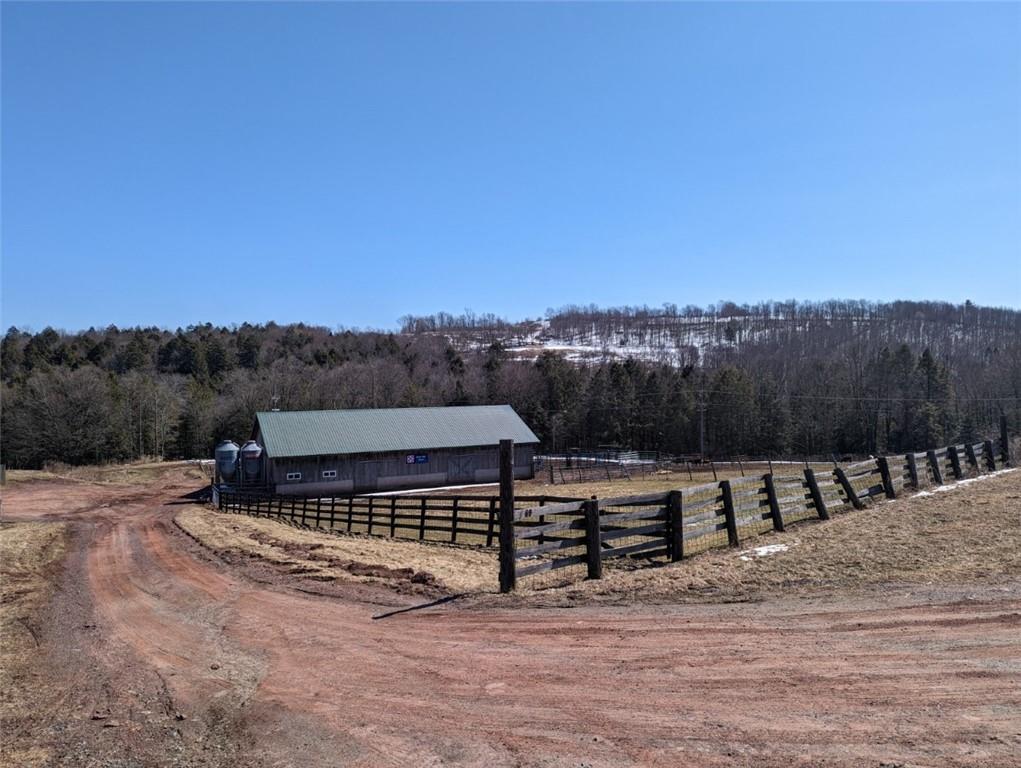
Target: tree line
x=788, y=379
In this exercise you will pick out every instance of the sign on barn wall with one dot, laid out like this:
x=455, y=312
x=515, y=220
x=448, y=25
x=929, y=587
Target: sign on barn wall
x=417, y=458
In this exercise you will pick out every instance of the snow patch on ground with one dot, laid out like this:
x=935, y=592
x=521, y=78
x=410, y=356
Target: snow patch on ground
x=954, y=485
x=764, y=551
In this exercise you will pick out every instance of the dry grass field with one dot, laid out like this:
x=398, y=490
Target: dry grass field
x=29, y=553
x=135, y=473
x=968, y=534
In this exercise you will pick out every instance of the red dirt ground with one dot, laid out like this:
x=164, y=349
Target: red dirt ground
x=200, y=662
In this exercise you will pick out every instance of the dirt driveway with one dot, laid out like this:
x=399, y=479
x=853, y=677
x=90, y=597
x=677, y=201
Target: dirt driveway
x=154, y=652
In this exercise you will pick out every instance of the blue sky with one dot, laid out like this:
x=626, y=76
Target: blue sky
x=346, y=164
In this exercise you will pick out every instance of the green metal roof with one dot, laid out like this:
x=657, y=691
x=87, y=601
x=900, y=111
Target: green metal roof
x=380, y=430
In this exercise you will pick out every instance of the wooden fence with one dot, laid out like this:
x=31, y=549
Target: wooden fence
x=677, y=523
x=538, y=534
x=450, y=519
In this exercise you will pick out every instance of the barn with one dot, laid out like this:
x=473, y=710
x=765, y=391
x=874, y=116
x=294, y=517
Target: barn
x=380, y=449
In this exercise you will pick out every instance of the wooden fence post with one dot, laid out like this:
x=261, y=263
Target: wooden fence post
x=969, y=451
x=1004, y=441
x=492, y=522
x=319, y=512
x=453, y=523
x=774, y=503
x=817, y=499
x=913, y=470
x=955, y=461
x=508, y=568
x=675, y=527
x=542, y=519
x=884, y=473
x=990, y=456
x=421, y=519
x=937, y=471
x=368, y=527
x=593, y=545
x=393, y=516
x=852, y=495
x=729, y=515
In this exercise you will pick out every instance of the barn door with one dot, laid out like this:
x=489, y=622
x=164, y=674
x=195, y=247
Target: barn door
x=366, y=475
x=462, y=469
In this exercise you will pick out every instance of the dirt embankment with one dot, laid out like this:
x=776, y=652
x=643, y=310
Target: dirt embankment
x=406, y=566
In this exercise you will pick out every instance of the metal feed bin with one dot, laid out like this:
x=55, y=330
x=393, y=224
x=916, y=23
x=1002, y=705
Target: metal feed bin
x=226, y=455
x=251, y=460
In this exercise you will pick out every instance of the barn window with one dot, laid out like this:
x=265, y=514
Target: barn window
x=294, y=475
x=329, y=473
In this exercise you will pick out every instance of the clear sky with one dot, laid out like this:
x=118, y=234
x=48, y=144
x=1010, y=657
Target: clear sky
x=346, y=164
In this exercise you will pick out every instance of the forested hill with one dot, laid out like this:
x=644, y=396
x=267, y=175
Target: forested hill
x=783, y=378
x=709, y=336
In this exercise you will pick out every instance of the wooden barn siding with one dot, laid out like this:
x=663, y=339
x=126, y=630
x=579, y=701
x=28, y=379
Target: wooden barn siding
x=390, y=471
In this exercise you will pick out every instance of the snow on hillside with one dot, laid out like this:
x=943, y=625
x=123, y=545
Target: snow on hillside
x=681, y=340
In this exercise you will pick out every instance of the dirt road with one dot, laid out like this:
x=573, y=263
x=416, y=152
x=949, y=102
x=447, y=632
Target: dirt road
x=154, y=652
